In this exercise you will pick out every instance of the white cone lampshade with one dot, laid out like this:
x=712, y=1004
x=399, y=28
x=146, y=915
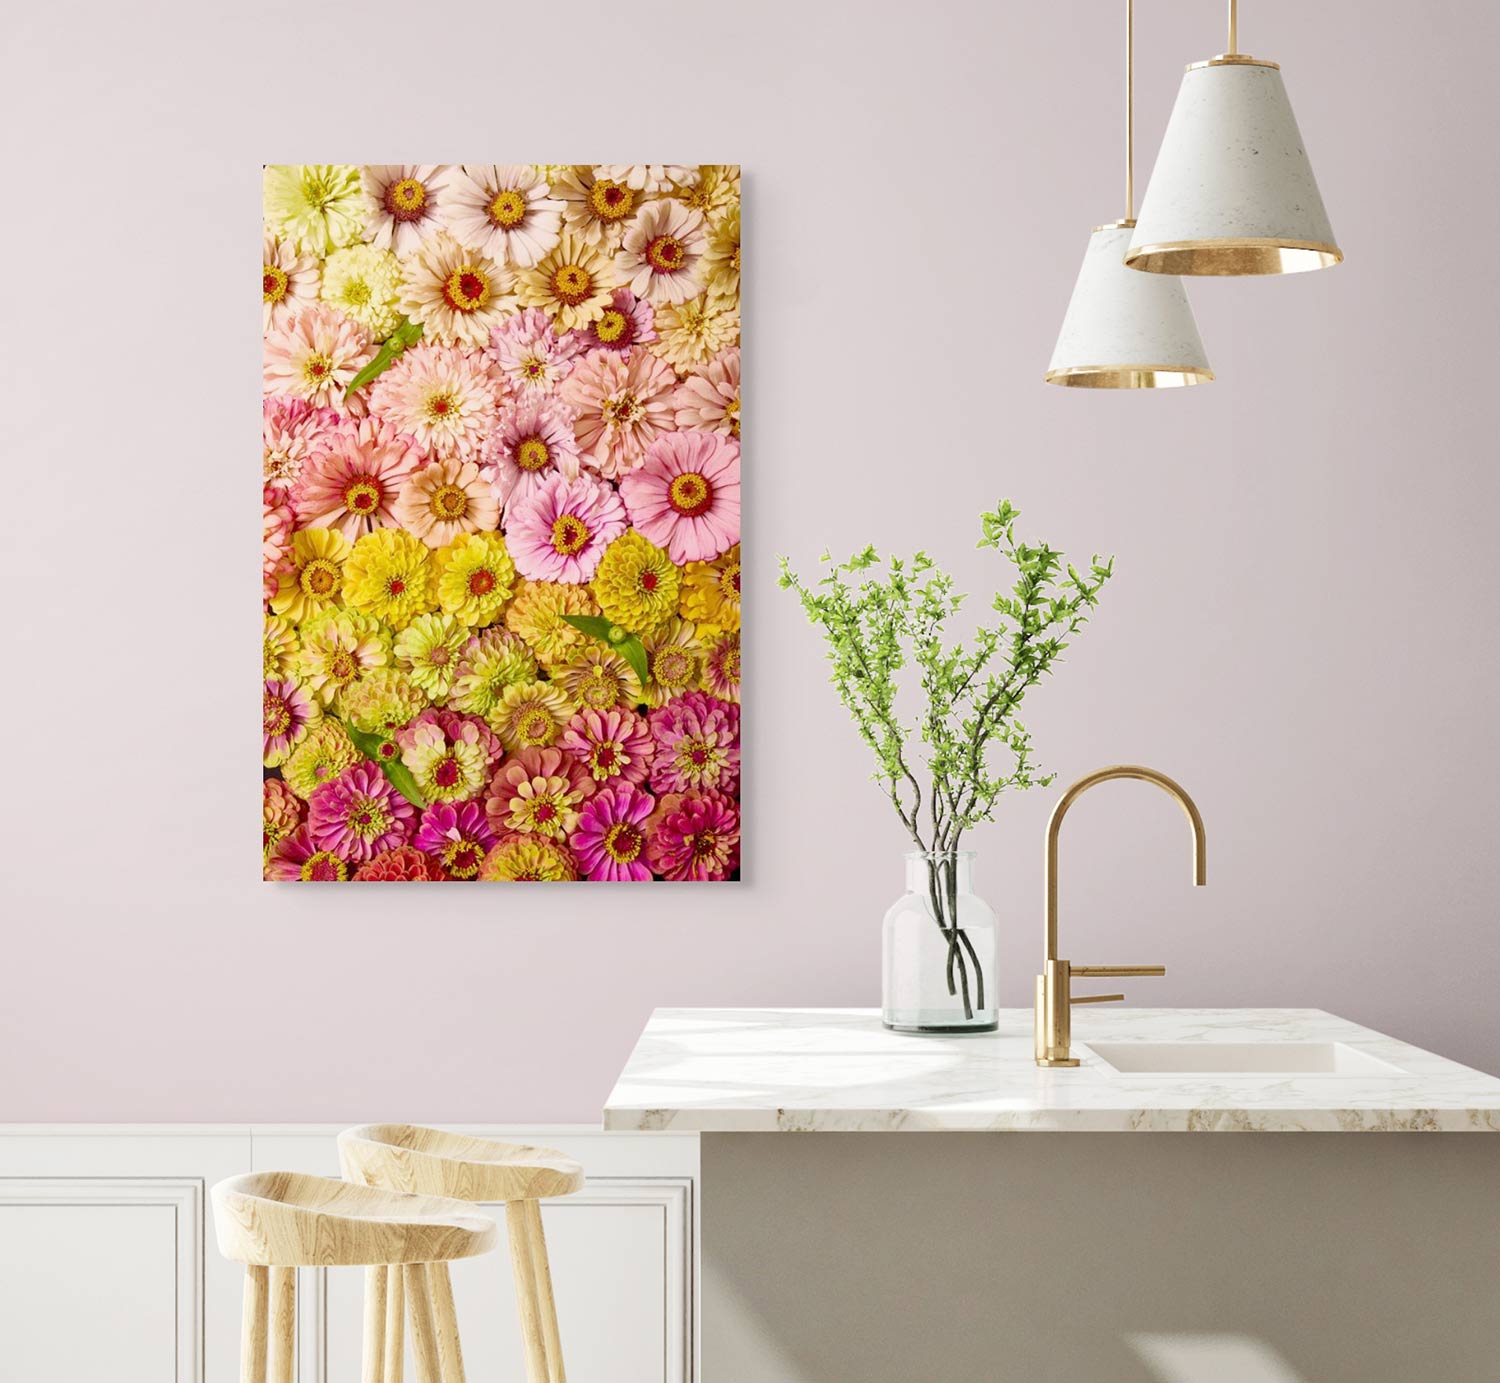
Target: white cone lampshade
x=1232, y=191
x=1125, y=330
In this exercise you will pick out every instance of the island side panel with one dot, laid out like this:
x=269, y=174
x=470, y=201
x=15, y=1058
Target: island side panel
x=1055, y=1258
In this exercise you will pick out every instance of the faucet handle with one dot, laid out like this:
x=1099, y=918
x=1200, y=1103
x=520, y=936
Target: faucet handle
x=1055, y=1000
x=1114, y=971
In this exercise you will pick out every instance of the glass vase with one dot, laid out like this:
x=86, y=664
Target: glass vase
x=939, y=950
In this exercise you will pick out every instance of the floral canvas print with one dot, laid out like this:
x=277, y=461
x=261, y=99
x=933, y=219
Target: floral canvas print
x=501, y=495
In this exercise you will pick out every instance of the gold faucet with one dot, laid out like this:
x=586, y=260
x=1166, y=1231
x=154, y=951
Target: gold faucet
x=1054, y=988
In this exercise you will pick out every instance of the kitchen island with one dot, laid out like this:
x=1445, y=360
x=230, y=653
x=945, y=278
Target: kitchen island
x=1013, y=1250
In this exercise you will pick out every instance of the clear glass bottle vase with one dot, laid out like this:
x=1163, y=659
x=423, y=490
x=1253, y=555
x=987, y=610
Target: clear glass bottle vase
x=939, y=950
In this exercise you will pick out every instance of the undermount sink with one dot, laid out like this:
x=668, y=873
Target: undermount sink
x=1240, y=1059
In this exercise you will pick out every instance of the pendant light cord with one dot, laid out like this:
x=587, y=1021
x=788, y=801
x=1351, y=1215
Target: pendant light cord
x=1130, y=110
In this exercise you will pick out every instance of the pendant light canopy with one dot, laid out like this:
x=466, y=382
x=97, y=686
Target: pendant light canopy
x=1232, y=191
x=1125, y=330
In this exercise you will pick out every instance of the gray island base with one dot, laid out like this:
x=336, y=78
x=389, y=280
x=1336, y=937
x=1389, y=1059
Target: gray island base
x=1336, y=1235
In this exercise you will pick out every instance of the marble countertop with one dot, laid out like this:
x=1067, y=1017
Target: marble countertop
x=827, y=1070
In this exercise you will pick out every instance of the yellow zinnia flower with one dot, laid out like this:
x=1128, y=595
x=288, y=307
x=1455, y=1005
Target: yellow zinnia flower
x=389, y=575
x=711, y=590
x=599, y=680
x=325, y=752
x=692, y=333
x=573, y=283
x=528, y=859
x=637, y=584
x=716, y=190
x=337, y=649
x=475, y=577
x=279, y=649
x=317, y=207
x=536, y=614
x=316, y=579
x=430, y=649
x=529, y=715
x=382, y=701
x=721, y=260
x=676, y=657
x=365, y=283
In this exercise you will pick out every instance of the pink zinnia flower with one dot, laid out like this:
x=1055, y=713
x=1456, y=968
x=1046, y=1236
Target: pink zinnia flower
x=315, y=355
x=276, y=542
x=292, y=430
x=404, y=864
x=686, y=496
x=694, y=836
x=298, y=859
x=560, y=533
x=450, y=755
x=353, y=485
x=623, y=404
x=533, y=442
x=537, y=790
x=613, y=746
x=358, y=814
x=440, y=501
x=628, y=321
x=610, y=841
x=446, y=397
x=708, y=400
x=280, y=811
x=458, y=835
x=286, y=713
x=721, y=668
x=530, y=354
x=698, y=744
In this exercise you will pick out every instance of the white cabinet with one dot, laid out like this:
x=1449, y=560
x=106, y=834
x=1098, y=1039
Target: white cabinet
x=108, y=1267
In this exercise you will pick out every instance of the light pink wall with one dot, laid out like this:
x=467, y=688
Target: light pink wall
x=1302, y=629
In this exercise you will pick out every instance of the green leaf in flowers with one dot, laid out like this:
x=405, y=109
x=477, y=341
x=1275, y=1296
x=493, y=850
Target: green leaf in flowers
x=391, y=350
x=626, y=644
x=378, y=749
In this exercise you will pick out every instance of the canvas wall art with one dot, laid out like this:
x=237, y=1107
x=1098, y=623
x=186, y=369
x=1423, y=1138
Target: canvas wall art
x=501, y=495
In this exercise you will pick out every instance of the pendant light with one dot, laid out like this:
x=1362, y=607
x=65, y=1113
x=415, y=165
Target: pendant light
x=1125, y=330
x=1232, y=191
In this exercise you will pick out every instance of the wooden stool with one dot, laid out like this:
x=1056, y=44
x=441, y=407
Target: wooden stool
x=428, y=1161
x=277, y=1222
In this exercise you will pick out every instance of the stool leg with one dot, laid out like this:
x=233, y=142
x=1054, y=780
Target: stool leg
x=424, y=1343
x=283, y=1324
x=373, y=1367
x=446, y=1320
x=253, y=1324
x=395, y=1322
x=545, y=1304
x=523, y=1268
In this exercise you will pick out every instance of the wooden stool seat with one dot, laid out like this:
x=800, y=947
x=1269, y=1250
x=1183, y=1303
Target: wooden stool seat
x=286, y=1219
x=434, y=1162
x=277, y=1222
x=408, y=1157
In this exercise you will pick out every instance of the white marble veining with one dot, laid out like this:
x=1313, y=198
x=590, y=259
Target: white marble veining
x=825, y=1070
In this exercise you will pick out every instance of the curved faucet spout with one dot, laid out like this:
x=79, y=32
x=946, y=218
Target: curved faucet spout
x=1103, y=775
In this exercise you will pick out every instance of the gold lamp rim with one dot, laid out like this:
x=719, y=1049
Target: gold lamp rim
x=1129, y=376
x=1232, y=60
x=1233, y=255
